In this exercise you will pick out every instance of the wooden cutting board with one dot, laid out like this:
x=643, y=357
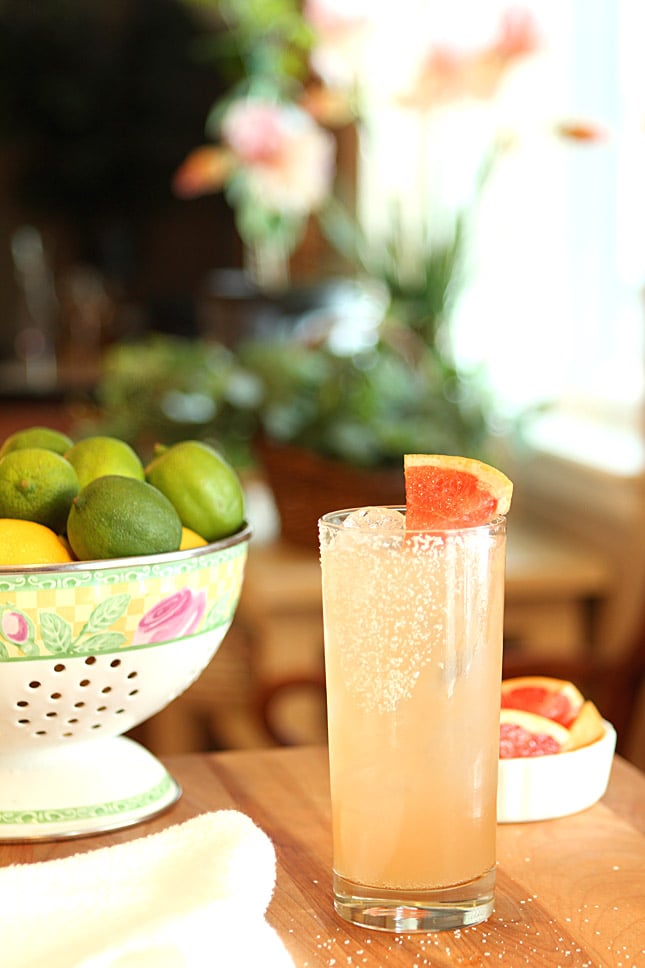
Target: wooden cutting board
x=571, y=892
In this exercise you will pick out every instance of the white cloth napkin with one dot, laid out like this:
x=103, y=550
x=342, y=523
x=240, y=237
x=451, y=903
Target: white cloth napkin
x=192, y=896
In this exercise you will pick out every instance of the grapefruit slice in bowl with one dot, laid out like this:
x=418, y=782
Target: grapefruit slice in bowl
x=588, y=727
x=442, y=491
x=547, y=770
x=529, y=734
x=557, y=699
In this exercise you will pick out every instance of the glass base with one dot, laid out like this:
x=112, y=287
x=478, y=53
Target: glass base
x=440, y=909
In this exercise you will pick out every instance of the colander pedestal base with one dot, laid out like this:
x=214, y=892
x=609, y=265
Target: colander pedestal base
x=82, y=789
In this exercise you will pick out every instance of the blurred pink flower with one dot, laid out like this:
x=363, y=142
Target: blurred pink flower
x=329, y=107
x=172, y=618
x=203, y=171
x=287, y=158
x=343, y=28
x=449, y=74
x=581, y=131
x=518, y=35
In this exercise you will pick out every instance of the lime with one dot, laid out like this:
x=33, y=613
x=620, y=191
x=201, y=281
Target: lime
x=28, y=543
x=43, y=437
x=37, y=485
x=95, y=457
x=117, y=517
x=202, y=486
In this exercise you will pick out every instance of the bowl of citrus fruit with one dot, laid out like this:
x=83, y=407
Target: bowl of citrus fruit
x=556, y=750
x=118, y=583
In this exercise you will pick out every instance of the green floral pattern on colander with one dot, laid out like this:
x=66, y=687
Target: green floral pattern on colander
x=85, y=612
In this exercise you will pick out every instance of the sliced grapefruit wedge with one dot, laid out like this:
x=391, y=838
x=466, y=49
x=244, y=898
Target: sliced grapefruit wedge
x=443, y=491
x=528, y=734
x=557, y=699
x=587, y=728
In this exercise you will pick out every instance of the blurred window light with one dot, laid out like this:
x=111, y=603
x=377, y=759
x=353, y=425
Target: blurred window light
x=555, y=308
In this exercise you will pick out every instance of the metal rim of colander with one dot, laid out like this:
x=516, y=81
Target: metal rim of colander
x=243, y=534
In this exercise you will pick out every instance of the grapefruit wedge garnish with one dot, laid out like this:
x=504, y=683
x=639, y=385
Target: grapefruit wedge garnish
x=557, y=699
x=443, y=491
x=528, y=734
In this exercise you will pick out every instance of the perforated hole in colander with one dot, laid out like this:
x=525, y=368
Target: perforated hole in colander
x=89, y=695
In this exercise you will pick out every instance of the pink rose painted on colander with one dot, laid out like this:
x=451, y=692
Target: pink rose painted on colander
x=172, y=617
x=15, y=627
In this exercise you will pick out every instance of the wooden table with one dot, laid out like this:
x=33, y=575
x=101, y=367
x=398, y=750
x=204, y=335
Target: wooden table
x=571, y=892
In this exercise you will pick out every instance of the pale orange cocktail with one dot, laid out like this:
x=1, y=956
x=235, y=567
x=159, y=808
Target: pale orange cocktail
x=413, y=646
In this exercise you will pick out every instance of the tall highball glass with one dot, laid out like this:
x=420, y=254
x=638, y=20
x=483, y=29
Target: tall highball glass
x=413, y=653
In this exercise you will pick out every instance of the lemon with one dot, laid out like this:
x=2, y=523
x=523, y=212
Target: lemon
x=202, y=486
x=43, y=437
x=37, y=485
x=117, y=517
x=95, y=457
x=29, y=543
x=190, y=539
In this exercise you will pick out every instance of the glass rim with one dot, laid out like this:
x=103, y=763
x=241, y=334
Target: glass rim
x=327, y=520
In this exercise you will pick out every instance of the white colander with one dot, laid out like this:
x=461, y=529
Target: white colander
x=88, y=651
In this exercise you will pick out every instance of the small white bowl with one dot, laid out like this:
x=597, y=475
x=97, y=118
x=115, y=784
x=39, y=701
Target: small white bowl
x=544, y=787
